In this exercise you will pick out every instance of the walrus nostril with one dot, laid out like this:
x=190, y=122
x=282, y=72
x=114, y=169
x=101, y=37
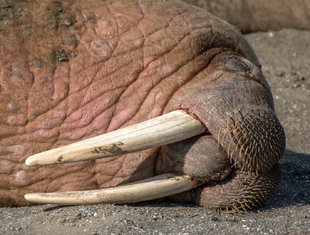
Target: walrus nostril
x=257, y=138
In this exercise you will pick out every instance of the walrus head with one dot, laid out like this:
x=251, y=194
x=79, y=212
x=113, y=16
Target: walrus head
x=237, y=109
x=243, y=140
x=221, y=138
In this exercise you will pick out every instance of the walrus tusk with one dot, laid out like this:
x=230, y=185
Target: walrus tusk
x=166, y=129
x=149, y=189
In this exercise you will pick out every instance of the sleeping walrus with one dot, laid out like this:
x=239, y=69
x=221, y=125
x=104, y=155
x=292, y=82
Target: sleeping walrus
x=179, y=92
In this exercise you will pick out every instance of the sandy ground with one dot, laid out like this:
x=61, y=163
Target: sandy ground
x=285, y=57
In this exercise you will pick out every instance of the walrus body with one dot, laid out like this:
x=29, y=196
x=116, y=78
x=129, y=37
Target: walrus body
x=75, y=69
x=260, y=15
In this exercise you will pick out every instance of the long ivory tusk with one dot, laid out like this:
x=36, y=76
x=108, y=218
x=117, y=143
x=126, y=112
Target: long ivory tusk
x=169, y=128
x=153, y=188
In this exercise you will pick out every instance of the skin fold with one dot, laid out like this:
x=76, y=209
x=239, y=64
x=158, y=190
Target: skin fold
x=71, y=70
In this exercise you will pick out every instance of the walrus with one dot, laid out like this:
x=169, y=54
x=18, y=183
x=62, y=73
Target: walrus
x=160, y=97
x=260, y=15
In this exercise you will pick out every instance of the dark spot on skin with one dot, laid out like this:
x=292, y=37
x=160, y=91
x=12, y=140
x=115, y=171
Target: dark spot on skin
x=66, y=19
x=58, y=16
x=11, y=42
x=3, y=32
x=59, y=159
x=110, y=148
x=51, y=89
x=39, y=25
x=18, y=75
x=58, y=56
x=19, y=66
x=90, y=18
x=36, y=63
x=8, y=15
x=28, y=29
x=73, y=54
x=13, y=106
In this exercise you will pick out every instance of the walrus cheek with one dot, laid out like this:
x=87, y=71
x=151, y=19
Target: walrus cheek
x=199, y=157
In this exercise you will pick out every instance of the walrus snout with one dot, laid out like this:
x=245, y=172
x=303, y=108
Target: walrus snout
x=237, y=109
x=254, y=139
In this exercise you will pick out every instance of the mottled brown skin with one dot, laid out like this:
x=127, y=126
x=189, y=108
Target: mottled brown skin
x=259, y=15
x=70, y=70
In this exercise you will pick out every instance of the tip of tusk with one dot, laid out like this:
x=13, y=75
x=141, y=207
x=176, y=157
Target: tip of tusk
x=29, y=197
x=39, y=159
x=30, y=161
x=37, y=198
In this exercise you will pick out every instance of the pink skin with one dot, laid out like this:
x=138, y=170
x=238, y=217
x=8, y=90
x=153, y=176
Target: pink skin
x=90, y=67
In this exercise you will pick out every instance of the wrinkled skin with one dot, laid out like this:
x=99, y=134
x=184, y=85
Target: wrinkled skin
x=260, y=15
x=77, y=69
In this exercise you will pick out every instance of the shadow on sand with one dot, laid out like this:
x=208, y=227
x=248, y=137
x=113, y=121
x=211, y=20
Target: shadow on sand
x=295, y=186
